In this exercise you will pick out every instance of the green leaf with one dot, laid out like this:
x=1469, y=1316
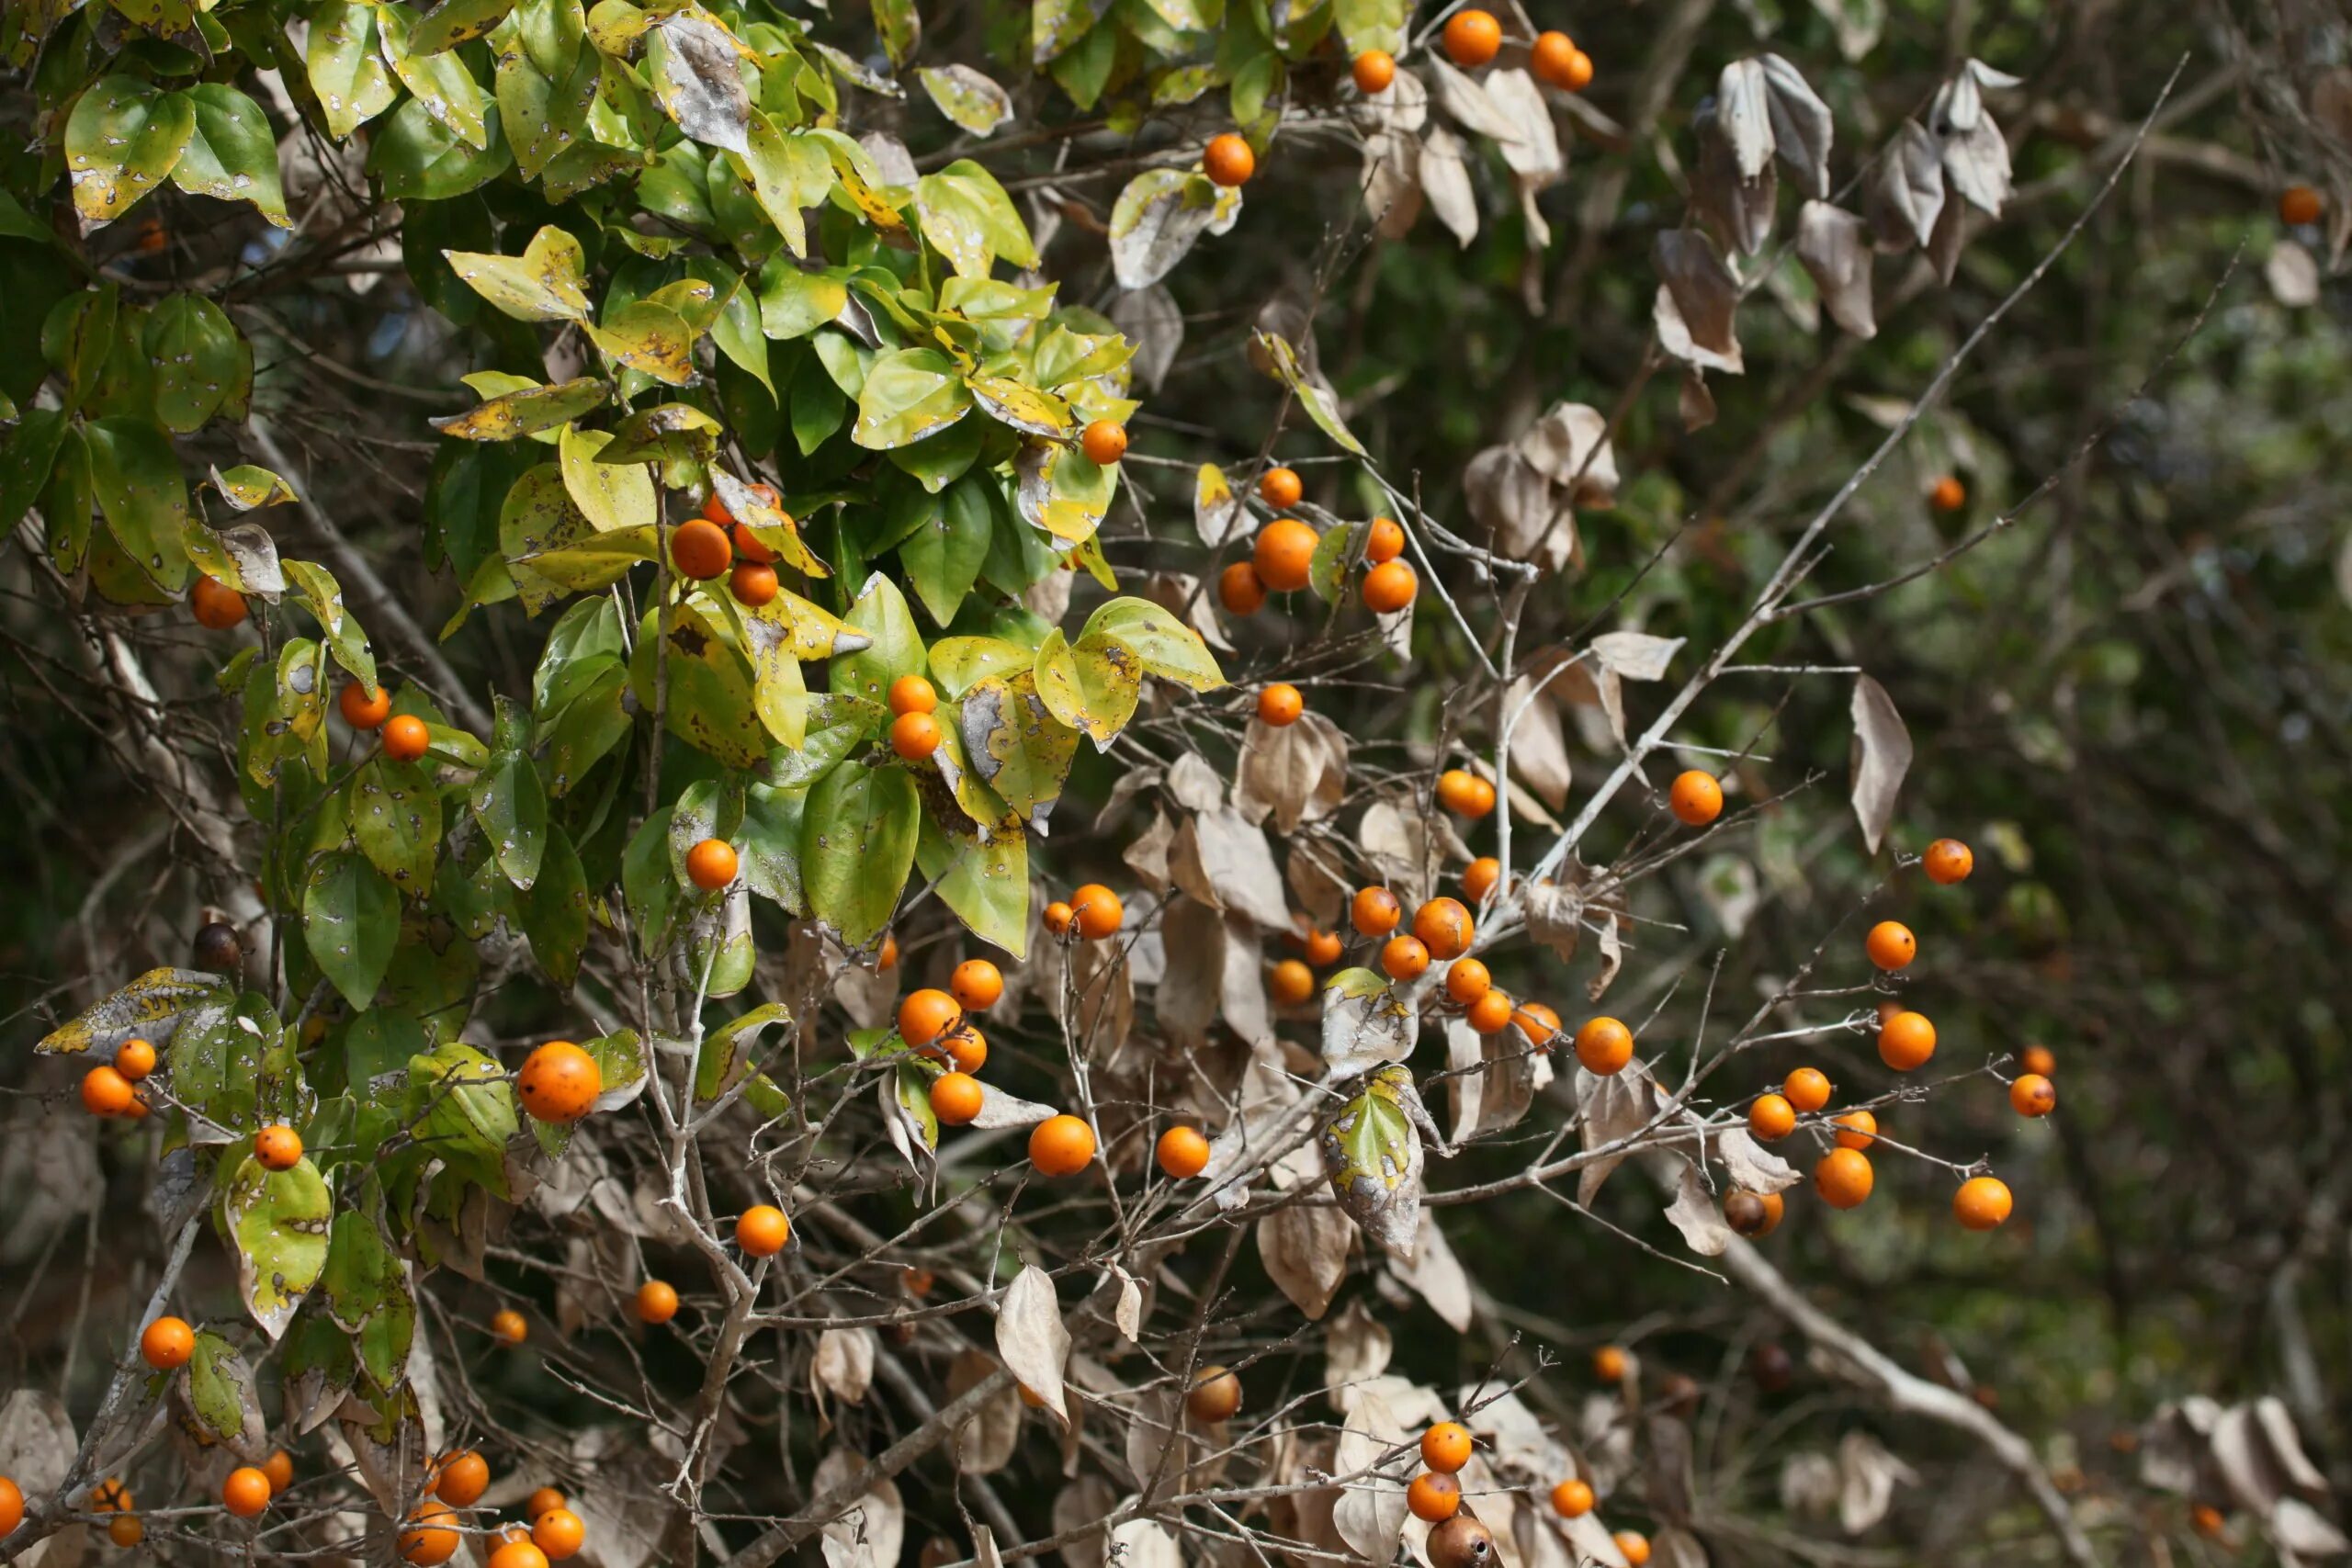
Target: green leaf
x=219, y=1386
x=651, y=338
x=439, y=80
x=1092, y=687
x=1326, y=568
x=511, y=808
x=966, y=97
x=544, y=284
x=1015, y=744
x=610, y=495
x=984, y=881
x=768, y=842
x=727, y=1050
x=706, y=809
x=894, y=646
x=122, y=140
x=145, y=500
x=396, y=817
x=900, y=30
x=196, y=356
x=667, y=433
x=321, y=595
x=1372, y=24
x=589, y=726
x=1312, y=394
x=909, y=393
x=376, y=1043
x=513, y=415
x=554, y=910
x=1062, y=490
x=1166, y=645
x=957, y=663
x=26, y=462
x=838, y=723
x=786, y=173
x=1056, y=25
x=453, y=22
x=710, y=703
x=367, y=1295
x=544, y=100
x=460, y=1109
x=648, y=884
x=419, y=159
x=231, y=155
x=277, y=1222
x=350, y=78
x=857, y=844
x=1023, y=408
x=621, y=1060
x=247, y=489
x=969, y=218
x=793, y=303
x=944, y=554
x=351, y=919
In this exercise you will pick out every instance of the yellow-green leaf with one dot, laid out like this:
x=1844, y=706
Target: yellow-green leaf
x=543, y=284
x=121, y=141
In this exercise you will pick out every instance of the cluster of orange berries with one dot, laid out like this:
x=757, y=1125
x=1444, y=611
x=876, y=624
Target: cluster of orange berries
x=245, y=1492
x=714, y=544
x=112, y=1089
x=936, y=1024
x=1461, y=1542
x=431, y=1535
x=1281, y=559
x=1472, y=38
x=914, y=734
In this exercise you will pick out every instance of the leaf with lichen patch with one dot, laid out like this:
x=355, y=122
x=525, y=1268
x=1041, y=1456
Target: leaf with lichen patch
x=1093, y=685
x=966, y=97
x=1016, y=745
x=149, y=1007
x=277, y=1222
x=1371, y=1151
x=1366, y=1021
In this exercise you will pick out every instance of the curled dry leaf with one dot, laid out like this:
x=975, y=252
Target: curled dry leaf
x=1152, y=321
x=1881, y=756
x=1904, y=193
x=1356, y=1347
x=1194, y=784
x=1463, y=98
x=1404, y=107
x=1802, y=126
x=1147, y=854
x=1032, y=1339
x=1610, y=1110
x=1696, y=403
x=1867, y=1476
x=843, y=1364
x=1305, y=1245
x=984, y=1444
x=1366, y=1023
x=998, y=1109
x=874, y=1526
x=1492, y=1078
x=1445, y=184
x=1436, y=1275
x=1539, y=746
x=1082, y=1502
x=1737, y=206
x=1533, y=151
x=1509, y=498
x=1834, y=246
x=1297, y=773
x=1391, y=182
x=1145, y=1543
x=1223, y=859
x=1975, y=155
x=1698, y=295
x=2292, y=273
x=1371, y=1512
x=1695, y=1213
x=1751, y=1167
x=1569, y=446
x=1742, y=111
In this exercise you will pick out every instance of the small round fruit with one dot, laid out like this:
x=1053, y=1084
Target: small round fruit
x=1461, y=1542
x=1807, y=1089
x=2206, y=1521
x=1215, y=1395
x=1444, y=927
x=541, y=1501
x=1105, y=442
x=1538, y=1022
x=1240, y=590
x=12, y=1506
x=166, y=1343
x=1982, y=1203
x=1283, y=553
x=1604, y=1046
x=1843, y=1177
x=927, y=1014
x=279, y=1468
x=657, y=1302
x=1632, y=1546
x=110, y=1497
x=914, y=735
x=462, y=1479
x=508, y=1327
x=1479, y=877
x=1280, y=704
x=711, y=864
x=1754, y=1215
x=1457, y=791
x=219, y=949
x=560, y=1082
x=559, y=1533
x=1061, y=1145
x=1056, y=918
x=430, y=1539
x=1471, y=37
x=2298, y=206
x=1323, y=947
x=1891, y=945
x=1374, y=911
x=888, y=959
x=1404, y=958
x=1856, y=1130
x=1445, y=1447
x=278, y=1147
x=1291, y=984
x=1907, y=1040
x=406, y=738
x=1949, y=494
x=2039, y=1059
x=1281, y=488
x=761, y=1230
x=1551, y=57
x=1572, y=1499
x=1373, y=71
x=1696, y=798
x=125, y=1530
x=1772, y=1118
x=1385, y=541
x=1948, y=860
x=246, y=1491
x=1182, y=1153
x=913, y=694
x=1578, y=75
x=700, y=549
x=134, y=1059
x=752, y=583
x=105, y=1093
x=1390, y=587
x=1490, y=1014
x=1098, y=911
x=518, y=1552
x=1609, y=1364
x=1467, y=980
x=976, y=985
x=216, y=605
x=967, y=1048
x=955, y=1098
x=747, y=544
x=359, y=710
x=1228, y=161
x=1434, y=1497
x=714, y=508
x=2033, y=1095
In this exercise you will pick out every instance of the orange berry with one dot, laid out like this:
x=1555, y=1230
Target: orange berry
x=246, y=1491
x=1907, y=1040
x=955, y=1098
x=1807, y=1089
x=913, y=694
x=12, y=1506
x=914, y=735
x=541, y=1501
x=1754, y=1215
x=1632, y=1545
x=1404, y=958
x=1444, y=927
x=1215, y=1395
x=110, y=1497
x=359, y=710
x=1551, y=57
x=1458, y=790
x=1572, y=1499
x=1057, y=918
x=1949, y=494
x=1843, y=1177
x=463, y=1478
x=888, y=959
x=700, y=549
x=1182, y=1153
x=1291, y=984
x=714, y=508
x=1856, y=1130
x=1604, y=1046
x=1375, y=911
x=1280, y=488
x=1229, y=160
x=105, y=1093
x=277, y=1148
x=1434, y=1496
x=166, y=1343
x=279, y=1468
x=406, y=738
x=657, y=1302
x=927, y=1014
x=752, y=583
x=1491, y=1013
x=1384, y=541
x=1323, y=947
x=560, y=1082
x=2206, y=1520
x=123, y=1529
x=1445, y=1447
x=1098, y=911
x=1280, y=704
x=430, y=1539
x=559, y=1533
x=1283, y=553
x=1609, y=1364
x=1390, y=587
x=1982, y=1203
x=1479, y=877
x=2033, y=1095
x=1891, y=945
x=134, y=1059
x=1105, y=442
x=761, y=1230
x=2299, y=204
x=967, y=1049
x=1467, y=980
x=1061, y=1145
x=1373, y=71
x=1579, y=72
x=747, y=544
x=1696, y=798
x=1471, y=37
x=1239, y=589
x=518, y=1552
x=1538, y=1022
x=711, y=864
x=977, y=984
x=216, y=605
x=1948, y=860
x=1772, y=1118
x=507, y=1326
x=2038, y=1059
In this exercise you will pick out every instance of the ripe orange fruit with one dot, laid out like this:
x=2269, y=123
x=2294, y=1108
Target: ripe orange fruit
x=1373, y=71
x=955, y=1098
x=914, y=735
x=134, y=1059
x=430, y=1539
x=1754, y=1215
x=279, y=1468
x=1538, y=1022
x=1471, y=37
x=2206, y=1520
x=1404, y=958
x=1215, y=1395
x=967, y=1049
x=1807, y=1089
x=1061, y=1145
x=560, y=1082
x=1280, y=488
x=714, y=508
x=105, y=1093
x=246, y=1491
x=711, y=864
x=1891, y=945
x=1772, y=1118
x=1444, y=927
x=888, y=959
x=1551, y=57
x=1949, y=494
x=1433, y=1497
x=1280, y=704
x=761, y=1230
x=461, y=1479
x=507, y=1326
x=1479, y=877
x=1572, y=1499
x=1323, y=947
x=913, y=694
x=1696, y=798
x=1982, y=1203
x=1291, y=984
x=1105, y=442
x=2299, y=204
x=1282, y=553
x=1467, y=980
x=657, y=1302
x=518, y=1552
x=1843, y=1177
x=1604, y=1046
x=166, y=1343
x=1056, y=918
x=1856, y=1130
x=1097, y=910
x=1907, y=1040
x=1385, y=541
x=405, y=737
x=700, y=549
x=1634, y=1546
x=1445, y=1447
x=927, y=1014
x=1948, y=860
x=1239, y=589
x=752, y=583
x=1491, y=1013
x=2038, y=1059
x=1390, y=587
x=747, y=544
x=359, y=710
x=1457, y=791
x=1229, y=160
x=977, y=984
x=2033, y=1095
x=1609, y=1364
x=216, y=605
x=1182, y=1153
x=278, y=1147
x=543, y=1500
x=1375, y=911
x=125, y=1530
x=559, y=1533
x=1580, y=74
x=12, y=1506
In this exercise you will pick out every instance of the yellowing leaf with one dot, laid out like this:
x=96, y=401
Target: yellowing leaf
x=543, y=284
x=610, y=495
x=121, y=141
x=1092, y=687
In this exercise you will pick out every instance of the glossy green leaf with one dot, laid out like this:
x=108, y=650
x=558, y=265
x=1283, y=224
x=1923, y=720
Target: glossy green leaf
x=367, y=1294
x=232, y=154
x=396, y=817
x=984, y=881
x=1166, y=645
x=278, y=1225
x=943, y=555
x=554, y=910
x=1092, y=687
x=122, y=140
x=219, y=1387
x=140, y=490
x=439, y=80
x=650, y=338
x=419, y=159
x=349, y=76
x=709, y=703
x=1016, y=745
x=321, y=595
x=768, y=843
x=350, y=922
x=894, y=646
x=460, y=1109
x=909, y=394
x=610, y=495
x=966, y=97
x=510, y=807
x=857, y=844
